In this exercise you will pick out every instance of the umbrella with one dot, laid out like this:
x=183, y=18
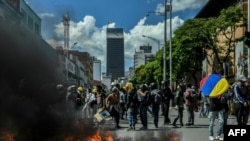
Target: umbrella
x=214, y=85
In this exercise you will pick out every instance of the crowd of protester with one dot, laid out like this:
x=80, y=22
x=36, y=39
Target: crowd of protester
x=134, y=104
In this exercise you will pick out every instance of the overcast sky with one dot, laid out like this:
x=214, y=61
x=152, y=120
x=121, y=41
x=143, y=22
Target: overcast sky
x=89, y=20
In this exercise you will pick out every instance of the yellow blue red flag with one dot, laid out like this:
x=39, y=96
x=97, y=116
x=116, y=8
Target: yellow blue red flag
x=214, y=85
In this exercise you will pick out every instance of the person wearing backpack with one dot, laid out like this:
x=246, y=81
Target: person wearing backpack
x=215, y=112
x=190, y=104
x=156, y=102
x=145, y=102
x=180, y=104
x=241, y=99
x=225, y=100
x=167, y=95
x=132, y=105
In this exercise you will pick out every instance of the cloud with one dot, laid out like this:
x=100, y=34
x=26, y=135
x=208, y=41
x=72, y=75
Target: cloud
x=182, y=5
x=47, y=15
x=93, y=39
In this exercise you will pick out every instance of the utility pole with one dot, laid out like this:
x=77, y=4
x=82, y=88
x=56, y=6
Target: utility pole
x=165, y=40
x=170, y=45
x=166, y=9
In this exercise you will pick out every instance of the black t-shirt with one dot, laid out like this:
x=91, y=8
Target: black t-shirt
x=132, y=99
x=224, y=99
x=215, y=104
x=167, y=95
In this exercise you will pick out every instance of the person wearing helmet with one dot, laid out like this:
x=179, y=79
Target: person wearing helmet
x=75, y=100
x=167, y=95
x=80, y=89
x=179, y=100
x=91, y=104
x=156, y=102
x=144, y=96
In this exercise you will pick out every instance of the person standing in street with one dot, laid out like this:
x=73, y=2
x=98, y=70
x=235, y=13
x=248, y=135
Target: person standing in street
x=180, y=104
x=241, y=99
x=122, y=97
x=215, y=111
x=225, y=101
x=132, y=105
x=190, y=103
x=113, y=106
x=167, y=95
x=156, y=102
x=145, y=97
x=100, y=97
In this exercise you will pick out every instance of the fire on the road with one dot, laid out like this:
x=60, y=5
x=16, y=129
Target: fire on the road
x=7, y=136
x=95, y=137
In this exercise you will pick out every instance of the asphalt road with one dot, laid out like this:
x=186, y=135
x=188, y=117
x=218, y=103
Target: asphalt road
x=197, y=132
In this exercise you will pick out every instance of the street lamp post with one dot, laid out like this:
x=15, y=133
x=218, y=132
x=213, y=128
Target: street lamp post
x=154, y=39
x=170, y=44
x=165, y=40
x=166, y=9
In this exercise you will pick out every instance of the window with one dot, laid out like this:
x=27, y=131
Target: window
x=37, y=28
x=30, y=22
x=24, y=16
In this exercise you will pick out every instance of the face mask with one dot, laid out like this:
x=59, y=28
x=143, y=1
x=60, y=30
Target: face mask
x=240, y=84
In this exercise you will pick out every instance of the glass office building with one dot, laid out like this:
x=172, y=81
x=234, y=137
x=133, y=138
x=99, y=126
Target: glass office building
x=115, y=53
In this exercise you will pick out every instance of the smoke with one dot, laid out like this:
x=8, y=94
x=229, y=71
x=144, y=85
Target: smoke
x=31, y=108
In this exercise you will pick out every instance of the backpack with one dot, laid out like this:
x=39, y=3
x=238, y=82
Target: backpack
x=167, y=95
x=179, y=96
x=149, y=98
x=223, y=99
x=157, y=99
x=193, y=95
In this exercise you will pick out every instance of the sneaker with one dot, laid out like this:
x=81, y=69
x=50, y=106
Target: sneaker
x=174, y=125
x=219, y=138
x=133, y=127
x=143, y=128
x=211, y=138
x=130, y=128
x=154, y=126
x=117, y=127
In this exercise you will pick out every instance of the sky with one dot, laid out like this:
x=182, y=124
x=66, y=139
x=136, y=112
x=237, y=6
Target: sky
x=90, y=18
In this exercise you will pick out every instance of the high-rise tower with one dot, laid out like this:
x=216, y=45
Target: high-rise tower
x=115, y=53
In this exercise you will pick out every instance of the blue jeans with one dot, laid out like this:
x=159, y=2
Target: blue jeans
x=206, y=110
x=156, y=109
x=132, y=116
x=212, y=116
x=225, y=116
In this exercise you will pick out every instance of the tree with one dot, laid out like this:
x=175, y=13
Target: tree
x=188, y=44
x=225, y=39
x=210, y=38
x=197, y=39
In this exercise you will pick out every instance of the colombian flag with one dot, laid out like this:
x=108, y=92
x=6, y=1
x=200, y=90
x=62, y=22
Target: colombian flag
x=214, y=85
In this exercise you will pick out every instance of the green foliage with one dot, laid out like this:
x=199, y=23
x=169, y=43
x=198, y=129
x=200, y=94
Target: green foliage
x=190, y=44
